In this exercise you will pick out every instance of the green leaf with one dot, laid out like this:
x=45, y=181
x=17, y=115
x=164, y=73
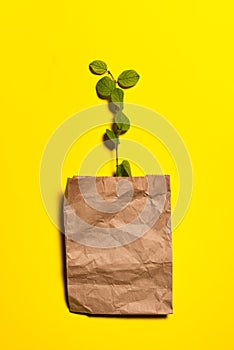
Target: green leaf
x=108, y=143
x=126, y=165
x=128, y=78
x=117, y=97
x=105, y=86
x=120, y=170
x=124, y=169
x=111, y=135
x=98, y=67
x=122, y=121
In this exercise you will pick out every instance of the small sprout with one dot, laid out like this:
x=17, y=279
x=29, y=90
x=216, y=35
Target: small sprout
x=106, y=88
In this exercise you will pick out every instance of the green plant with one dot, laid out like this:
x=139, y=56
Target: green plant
x=112, y=90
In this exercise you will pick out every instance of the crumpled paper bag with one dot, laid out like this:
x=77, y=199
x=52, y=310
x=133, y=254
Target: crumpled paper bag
x=118, y=245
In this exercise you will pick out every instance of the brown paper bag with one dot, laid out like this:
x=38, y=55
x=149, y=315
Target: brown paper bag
x=118, y=245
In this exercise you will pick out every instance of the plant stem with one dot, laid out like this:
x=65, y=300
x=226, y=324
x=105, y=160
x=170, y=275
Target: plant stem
x=117, y=143
x=111, y=76
x=116, y=154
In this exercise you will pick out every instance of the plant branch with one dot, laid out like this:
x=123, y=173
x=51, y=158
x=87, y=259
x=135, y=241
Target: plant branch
x=111, y=76
x=116, y=153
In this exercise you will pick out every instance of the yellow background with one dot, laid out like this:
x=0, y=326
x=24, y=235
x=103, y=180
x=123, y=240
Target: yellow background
x=183, y=51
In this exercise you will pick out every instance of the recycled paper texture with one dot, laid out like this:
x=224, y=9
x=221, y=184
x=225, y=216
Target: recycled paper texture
x=118, y=245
